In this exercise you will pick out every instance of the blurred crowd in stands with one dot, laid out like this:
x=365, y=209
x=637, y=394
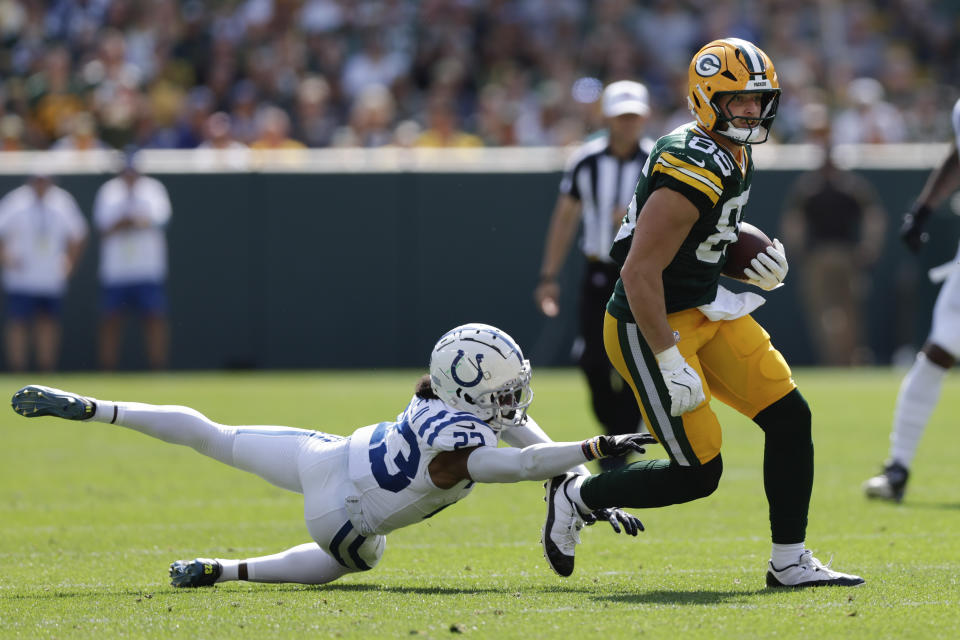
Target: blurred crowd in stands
x=78, y=74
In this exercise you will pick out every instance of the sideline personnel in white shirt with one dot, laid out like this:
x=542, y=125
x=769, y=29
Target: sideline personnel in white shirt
x=131, y=213
x=42, y=236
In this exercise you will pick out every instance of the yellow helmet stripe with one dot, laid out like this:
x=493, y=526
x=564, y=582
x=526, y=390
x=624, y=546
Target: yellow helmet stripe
x=680, y=163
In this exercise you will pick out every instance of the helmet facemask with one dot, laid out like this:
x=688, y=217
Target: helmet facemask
x=758, y=129
x=508, y=404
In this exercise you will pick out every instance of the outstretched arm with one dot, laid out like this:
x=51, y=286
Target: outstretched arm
x=530, y=433
x=536, y=462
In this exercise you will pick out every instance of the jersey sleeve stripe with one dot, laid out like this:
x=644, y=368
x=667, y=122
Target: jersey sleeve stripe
x=691, y=180
x=429, y=422
x=680, y=163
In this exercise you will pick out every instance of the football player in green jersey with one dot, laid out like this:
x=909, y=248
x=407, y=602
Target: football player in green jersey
x=679, y=338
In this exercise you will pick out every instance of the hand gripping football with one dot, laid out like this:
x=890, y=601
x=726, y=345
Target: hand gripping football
x=739, y=254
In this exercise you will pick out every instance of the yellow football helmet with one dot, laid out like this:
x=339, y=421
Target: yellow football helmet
x=730, y=66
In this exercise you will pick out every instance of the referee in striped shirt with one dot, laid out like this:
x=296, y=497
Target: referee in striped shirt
x=597, y=187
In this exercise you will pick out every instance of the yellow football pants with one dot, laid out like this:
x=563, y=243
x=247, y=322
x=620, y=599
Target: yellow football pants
x=736, y=362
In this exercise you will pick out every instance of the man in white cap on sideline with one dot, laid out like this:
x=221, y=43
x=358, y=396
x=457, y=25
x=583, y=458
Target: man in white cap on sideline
x=597, y=186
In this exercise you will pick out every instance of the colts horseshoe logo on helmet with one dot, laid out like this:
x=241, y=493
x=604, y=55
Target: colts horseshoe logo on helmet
x=456, y=378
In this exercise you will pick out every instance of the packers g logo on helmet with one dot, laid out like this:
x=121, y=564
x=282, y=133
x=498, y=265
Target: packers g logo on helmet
x=730, y=66
x=708, y=65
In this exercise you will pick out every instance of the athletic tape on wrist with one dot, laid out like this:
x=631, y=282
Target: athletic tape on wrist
x=591, y=448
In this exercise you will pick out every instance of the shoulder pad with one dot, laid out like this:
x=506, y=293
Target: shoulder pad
x=690, y=169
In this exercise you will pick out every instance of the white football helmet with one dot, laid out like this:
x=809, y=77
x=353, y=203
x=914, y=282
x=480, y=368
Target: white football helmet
x=480, y=369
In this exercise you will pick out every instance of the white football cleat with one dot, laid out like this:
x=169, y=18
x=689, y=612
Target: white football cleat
x=809, y=572
x=561, y=531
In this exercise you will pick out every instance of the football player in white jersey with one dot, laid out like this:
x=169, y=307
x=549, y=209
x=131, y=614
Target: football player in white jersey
x=385, y=476
x=920, y=389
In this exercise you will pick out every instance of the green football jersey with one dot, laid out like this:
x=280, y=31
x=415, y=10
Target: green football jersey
x=688, y=161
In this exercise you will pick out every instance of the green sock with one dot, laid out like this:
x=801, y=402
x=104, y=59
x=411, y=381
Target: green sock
x=650, y=483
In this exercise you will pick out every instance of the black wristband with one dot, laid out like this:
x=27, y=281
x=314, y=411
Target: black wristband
x=920, y=213
x=544, y=278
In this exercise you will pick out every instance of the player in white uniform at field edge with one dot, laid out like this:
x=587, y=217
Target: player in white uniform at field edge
x=384, y=476
x=920, y=389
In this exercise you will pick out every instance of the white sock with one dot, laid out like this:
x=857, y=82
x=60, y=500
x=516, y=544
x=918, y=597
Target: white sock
x=783, y=555
x=919, y=393
x=228, y=569
x=573, y=492
x=305, y=564
x=173, y=424
x=106, y=411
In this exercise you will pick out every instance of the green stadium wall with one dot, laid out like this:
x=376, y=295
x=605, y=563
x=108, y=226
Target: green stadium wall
x=273, y=270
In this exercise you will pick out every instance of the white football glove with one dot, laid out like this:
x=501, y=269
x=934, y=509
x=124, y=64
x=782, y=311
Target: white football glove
x=683, y=382
x=769, y=269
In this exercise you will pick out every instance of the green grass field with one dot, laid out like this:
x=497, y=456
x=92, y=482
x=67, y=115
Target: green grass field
x=91, y=515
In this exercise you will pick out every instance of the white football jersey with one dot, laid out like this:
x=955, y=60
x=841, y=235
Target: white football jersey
x=389, y=464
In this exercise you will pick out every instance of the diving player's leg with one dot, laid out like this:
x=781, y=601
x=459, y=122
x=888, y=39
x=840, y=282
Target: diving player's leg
x=338, y=547
x=341, y=551
x=265, y=451
x=173, y=424
x=268, y=452
x=305, y=564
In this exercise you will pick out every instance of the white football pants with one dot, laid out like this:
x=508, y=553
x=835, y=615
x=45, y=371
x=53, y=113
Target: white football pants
x=945, y=330
x=308, y=462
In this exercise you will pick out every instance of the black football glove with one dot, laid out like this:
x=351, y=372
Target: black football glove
x=911, y=231
x=616, y=518
x=607, y=446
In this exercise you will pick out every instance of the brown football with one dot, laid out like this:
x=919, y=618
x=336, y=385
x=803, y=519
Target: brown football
x=739, y=254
